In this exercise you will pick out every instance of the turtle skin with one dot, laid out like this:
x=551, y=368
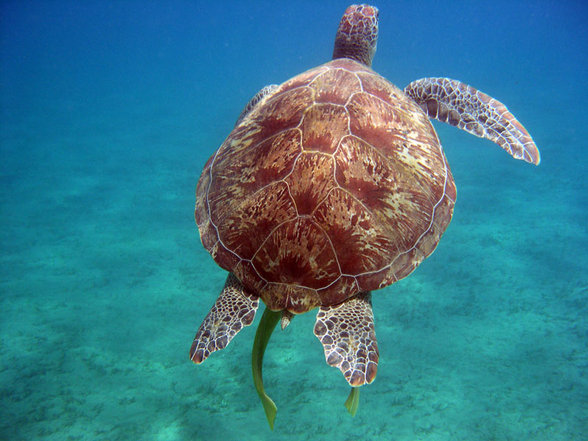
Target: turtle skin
x=334, y=184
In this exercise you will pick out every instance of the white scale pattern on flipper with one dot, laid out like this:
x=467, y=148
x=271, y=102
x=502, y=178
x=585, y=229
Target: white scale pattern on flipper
x=460, y=105
x=264, y=92
x=348, y=336
x=233, y=310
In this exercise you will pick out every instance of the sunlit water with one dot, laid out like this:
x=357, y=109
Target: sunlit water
x=109, y=112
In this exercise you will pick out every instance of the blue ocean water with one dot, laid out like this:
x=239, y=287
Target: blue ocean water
x=109, y=111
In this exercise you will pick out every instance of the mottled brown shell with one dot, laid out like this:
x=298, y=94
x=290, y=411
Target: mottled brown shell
x=334, y=184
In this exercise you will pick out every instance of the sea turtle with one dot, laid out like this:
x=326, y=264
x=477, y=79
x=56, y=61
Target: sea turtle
x=331, y=185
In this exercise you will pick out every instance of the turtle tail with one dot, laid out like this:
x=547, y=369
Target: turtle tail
x=266, y=327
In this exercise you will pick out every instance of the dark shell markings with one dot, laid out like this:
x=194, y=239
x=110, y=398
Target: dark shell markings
x=330, y=186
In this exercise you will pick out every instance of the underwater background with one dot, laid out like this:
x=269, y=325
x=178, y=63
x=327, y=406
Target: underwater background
x=109, y=111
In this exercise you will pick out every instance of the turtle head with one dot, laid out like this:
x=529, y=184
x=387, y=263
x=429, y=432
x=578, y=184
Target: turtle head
x=357, y=35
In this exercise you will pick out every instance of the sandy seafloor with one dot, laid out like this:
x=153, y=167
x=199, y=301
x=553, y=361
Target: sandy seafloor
x=109, y=111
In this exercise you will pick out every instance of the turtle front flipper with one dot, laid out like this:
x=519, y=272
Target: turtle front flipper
x=475, y=112
x=266, y=91
x=234, y=309
x=348, y=336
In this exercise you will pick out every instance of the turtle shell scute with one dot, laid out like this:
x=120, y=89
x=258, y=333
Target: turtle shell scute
x=334, y=184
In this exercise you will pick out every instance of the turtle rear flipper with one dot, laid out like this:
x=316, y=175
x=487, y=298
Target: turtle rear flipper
x=233, y=310
x=349, y=338
x=475, y=112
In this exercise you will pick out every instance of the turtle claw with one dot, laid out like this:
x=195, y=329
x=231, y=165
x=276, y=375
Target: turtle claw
x=233, y=310
x=349, y=339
